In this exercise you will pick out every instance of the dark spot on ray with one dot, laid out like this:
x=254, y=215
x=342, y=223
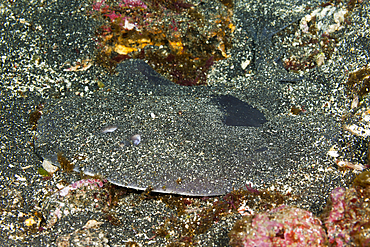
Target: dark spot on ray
x=239, y=113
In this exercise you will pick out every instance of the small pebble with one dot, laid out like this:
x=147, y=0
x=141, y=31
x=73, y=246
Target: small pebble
x=49, y=167
x=109, y=129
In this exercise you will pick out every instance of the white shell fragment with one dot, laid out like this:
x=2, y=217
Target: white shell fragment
x=333, y=153
x=347, y=164
x=328, y=19
x=245, y=64
x=136, y=139
x=109, y=129
x=47, y=165
x=360, y=123
x=20, y=178
x=92, y=224
x=245, y=210
x=358, y=130
x=355, y=102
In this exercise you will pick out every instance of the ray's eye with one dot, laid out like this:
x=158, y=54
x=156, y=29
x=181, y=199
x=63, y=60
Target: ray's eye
x=136, y=139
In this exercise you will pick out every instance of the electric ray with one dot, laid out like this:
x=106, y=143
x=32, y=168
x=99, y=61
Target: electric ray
x=198, y=141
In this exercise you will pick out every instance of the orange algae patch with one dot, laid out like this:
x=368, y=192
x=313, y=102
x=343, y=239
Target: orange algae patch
x=178, y=39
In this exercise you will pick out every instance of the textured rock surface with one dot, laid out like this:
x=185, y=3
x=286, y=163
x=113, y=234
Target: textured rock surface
x=347, y=222
x=282, y=226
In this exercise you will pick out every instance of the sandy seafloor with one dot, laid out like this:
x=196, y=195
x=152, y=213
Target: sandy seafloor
x=39, y=37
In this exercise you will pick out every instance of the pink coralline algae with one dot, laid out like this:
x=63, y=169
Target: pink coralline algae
x=348, y=221
x=107, y=11
x=81, y=183
x=82, y=195
x=134, y=3
x=124, y=3
x=282, y=226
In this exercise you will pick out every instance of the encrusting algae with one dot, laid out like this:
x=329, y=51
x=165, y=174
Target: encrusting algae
x=174, y=37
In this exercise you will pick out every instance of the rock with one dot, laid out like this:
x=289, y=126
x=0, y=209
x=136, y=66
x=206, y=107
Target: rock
x=282, y=226
x=348, y=216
